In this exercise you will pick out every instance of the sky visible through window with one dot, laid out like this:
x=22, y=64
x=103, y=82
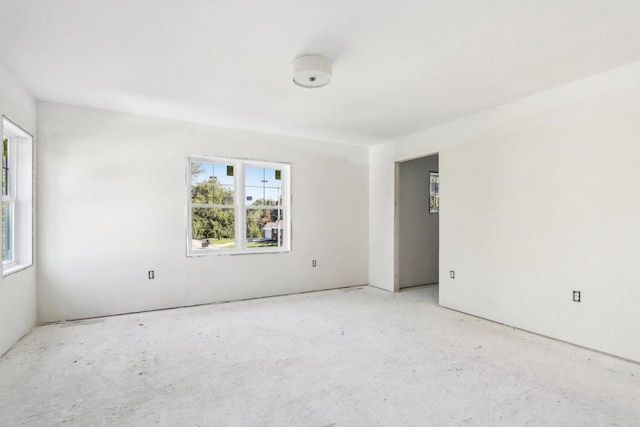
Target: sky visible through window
x=260, y=183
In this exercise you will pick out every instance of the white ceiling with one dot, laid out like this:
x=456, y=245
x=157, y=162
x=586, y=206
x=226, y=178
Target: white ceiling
x=399, y=66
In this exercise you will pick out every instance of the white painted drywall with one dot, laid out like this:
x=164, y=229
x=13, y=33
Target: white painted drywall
x=112, y=205
x=418, y=229
x=538, y=197
x=18, y=290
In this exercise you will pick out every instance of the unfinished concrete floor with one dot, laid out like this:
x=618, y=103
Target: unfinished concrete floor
x=352, y=357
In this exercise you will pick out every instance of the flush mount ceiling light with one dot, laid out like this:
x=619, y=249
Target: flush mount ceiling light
x=312, y=71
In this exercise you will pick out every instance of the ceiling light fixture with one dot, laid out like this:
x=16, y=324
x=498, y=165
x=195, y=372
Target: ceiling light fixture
x=312, y=71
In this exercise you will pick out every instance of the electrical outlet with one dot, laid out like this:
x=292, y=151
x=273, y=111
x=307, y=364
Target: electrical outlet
x=314, y=263
x=576, y=296
x=452, y=274
x=151, y=274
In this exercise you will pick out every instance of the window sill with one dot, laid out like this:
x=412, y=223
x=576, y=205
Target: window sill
x=14, y=268
x=205, y=252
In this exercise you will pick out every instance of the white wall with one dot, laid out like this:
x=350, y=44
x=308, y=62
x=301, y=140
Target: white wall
x=417, y=228
x=538, y=198
x=112, y=205
x=18, y=290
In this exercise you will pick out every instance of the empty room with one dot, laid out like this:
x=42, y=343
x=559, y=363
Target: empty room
x=339, y=213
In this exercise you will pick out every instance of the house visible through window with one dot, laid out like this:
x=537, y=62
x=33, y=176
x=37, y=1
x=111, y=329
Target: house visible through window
x=238, y=206
x=434, y=192
x=17, y=200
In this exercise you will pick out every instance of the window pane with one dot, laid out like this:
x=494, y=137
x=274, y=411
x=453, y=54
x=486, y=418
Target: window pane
x=265, y=228
x=7, y=250
x=263, y=186
x=213, y=228
x=212, y=183
x=5, y=166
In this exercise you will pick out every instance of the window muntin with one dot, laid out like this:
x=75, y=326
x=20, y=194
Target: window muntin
x=212, y=184
x=265, y=228
x=263, y=186
x=238, y=206
x=263, y=194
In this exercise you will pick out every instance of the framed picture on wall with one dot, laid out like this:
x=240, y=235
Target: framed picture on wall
x=434, y=192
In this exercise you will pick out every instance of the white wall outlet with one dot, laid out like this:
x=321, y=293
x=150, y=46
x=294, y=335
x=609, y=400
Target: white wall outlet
x=576, y=296
x=151, y=274
x=314, y=263
x=452, y=274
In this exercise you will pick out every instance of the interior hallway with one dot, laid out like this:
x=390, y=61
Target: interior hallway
x=355, y=356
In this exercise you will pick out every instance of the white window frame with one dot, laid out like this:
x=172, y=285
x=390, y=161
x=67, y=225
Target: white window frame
x=240, y=208
x=19, y=197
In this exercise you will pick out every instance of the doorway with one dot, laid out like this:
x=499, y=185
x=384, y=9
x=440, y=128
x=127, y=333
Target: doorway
x=417, y=223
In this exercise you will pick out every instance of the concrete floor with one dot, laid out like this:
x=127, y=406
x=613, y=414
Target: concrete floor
x=352, y=357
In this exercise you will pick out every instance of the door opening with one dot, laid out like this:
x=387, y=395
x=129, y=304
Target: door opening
x=417, y=222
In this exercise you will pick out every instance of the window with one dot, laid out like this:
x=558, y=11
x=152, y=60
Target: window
x=434, y=192
x=17, y=191
x=238, y=206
